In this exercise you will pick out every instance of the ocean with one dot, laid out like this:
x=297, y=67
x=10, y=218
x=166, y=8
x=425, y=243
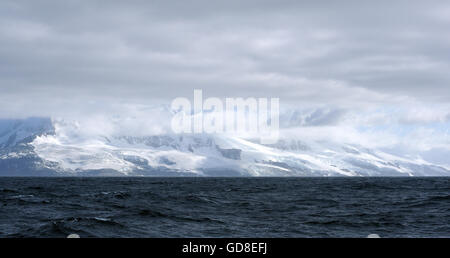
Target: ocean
x=224, y=207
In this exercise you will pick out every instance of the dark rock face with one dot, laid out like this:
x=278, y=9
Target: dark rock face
x=230, y=153
x=21, y=160
x=293, y=145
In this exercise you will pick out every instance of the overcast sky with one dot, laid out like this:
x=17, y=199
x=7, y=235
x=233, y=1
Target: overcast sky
x=338, y=51
x=347, y=58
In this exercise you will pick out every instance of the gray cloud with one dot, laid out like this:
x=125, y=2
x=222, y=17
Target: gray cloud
x=56, y=54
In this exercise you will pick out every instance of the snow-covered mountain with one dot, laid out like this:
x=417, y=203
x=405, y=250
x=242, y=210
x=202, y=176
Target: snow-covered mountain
x=15, y=131
x=40, y=146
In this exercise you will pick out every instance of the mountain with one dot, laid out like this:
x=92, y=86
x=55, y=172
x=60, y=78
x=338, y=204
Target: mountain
x=17, y=155
x=44, y=147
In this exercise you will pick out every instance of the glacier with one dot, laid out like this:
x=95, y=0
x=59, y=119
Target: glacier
x=49, y=147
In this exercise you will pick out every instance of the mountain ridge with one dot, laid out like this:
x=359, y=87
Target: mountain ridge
x=44, y=147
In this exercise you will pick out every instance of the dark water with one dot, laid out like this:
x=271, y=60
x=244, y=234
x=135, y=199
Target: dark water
x=225, y=207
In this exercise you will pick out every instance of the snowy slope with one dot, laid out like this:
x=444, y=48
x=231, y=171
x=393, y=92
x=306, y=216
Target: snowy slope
x=64, y=148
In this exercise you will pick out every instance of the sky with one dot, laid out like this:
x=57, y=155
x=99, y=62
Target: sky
x=368, y=70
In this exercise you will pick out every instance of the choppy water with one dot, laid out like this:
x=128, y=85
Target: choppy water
x=225, y=207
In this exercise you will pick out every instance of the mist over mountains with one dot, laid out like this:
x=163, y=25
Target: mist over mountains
x=52, y=147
